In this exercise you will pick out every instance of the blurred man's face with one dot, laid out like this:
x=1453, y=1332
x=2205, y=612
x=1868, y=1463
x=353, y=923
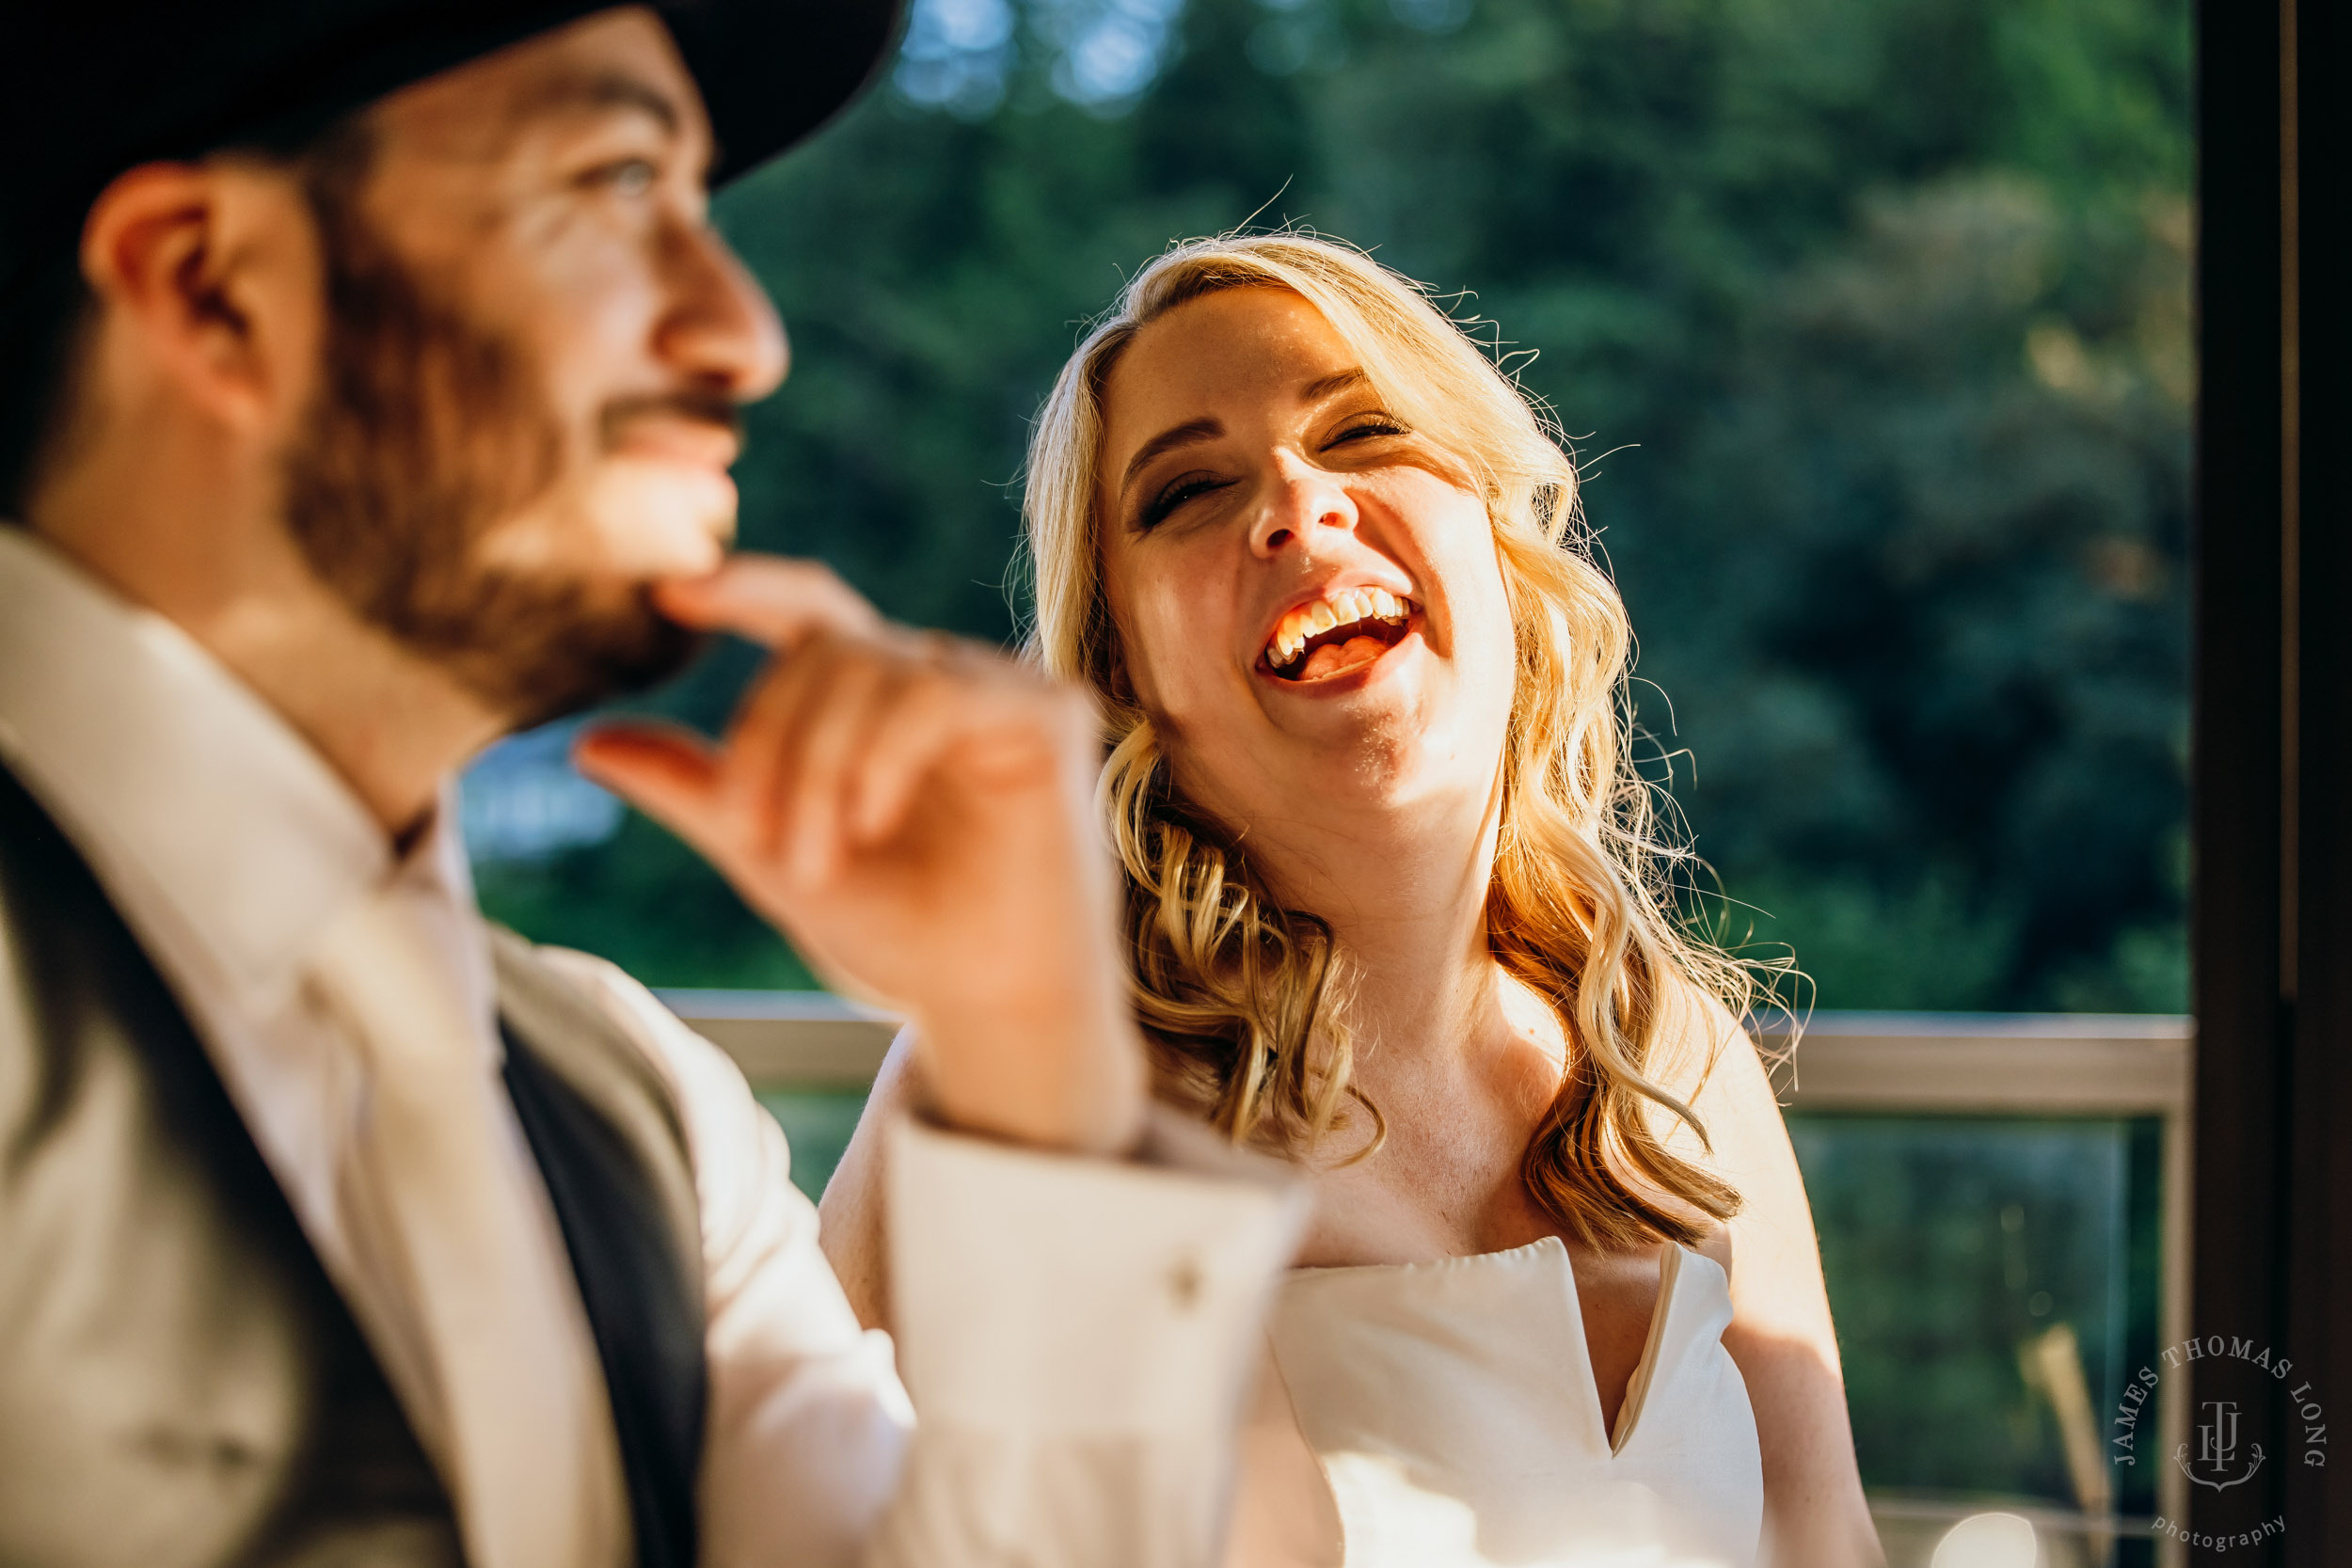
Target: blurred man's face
x=534, y=353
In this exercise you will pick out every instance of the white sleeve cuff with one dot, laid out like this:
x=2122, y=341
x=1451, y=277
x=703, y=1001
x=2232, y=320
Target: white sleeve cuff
x=1053, y=1295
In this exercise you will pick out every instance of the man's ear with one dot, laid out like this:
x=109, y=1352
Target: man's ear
x=207, y=277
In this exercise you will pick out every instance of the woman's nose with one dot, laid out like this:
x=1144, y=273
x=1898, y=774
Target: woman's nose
x=1302, y=501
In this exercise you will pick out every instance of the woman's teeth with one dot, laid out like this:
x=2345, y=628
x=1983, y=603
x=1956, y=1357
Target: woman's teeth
x=1351, y=611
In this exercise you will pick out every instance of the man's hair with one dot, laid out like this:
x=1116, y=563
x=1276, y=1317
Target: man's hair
x=44, y=331
x=48, y=318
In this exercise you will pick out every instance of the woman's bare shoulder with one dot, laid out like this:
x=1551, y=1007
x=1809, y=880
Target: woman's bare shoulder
x=1714, y=1245
x=1709, y=1061
x=851, y=1214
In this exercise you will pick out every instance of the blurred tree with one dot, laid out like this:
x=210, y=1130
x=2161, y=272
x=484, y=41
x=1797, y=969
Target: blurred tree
x=1887, y=299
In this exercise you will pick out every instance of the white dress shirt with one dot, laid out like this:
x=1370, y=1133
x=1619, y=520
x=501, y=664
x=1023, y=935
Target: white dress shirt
x=1077, y=1399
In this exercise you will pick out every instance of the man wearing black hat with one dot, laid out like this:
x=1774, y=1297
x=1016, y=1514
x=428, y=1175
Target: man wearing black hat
x=367, y=387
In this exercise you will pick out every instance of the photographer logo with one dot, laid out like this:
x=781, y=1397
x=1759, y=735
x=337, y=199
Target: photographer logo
x=2237, y=1376
x=2217, y=1449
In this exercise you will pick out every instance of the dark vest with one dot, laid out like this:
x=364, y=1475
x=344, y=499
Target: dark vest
x=180, y=1382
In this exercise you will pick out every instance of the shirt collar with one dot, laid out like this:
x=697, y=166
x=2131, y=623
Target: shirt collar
x=197, y=804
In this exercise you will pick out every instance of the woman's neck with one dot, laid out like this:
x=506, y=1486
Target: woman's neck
x=1404, y=892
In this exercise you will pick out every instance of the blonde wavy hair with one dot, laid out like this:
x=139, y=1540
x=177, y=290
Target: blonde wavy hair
x=1245, y=1001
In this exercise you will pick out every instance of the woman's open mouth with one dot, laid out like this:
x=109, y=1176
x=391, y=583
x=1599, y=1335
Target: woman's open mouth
x=1346, y=631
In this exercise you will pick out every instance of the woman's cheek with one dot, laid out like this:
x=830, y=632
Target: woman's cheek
x=1191, y=626
x=1155, y=660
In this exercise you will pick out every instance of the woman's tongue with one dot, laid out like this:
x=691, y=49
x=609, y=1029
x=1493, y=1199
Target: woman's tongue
x=1333, y=657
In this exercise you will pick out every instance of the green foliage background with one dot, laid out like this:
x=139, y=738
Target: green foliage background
x=1870, y=317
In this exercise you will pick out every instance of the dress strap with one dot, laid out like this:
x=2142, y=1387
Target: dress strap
x=1645, y=1370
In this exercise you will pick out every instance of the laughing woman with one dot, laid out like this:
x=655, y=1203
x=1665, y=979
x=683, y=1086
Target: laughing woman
x=1395, y=914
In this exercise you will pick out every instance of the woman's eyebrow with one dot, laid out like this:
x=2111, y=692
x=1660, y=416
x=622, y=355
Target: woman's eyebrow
x=1338, y=381
x=1167, y=441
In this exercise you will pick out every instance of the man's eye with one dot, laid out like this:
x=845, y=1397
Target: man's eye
x=625, y=176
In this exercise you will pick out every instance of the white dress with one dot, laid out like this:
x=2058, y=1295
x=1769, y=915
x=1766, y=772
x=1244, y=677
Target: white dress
x=1452, y=1408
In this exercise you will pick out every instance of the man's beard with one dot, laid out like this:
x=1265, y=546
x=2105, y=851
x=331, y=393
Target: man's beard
x=426, y=431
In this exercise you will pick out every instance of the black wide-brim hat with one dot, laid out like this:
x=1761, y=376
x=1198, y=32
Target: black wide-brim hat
x=91, y=87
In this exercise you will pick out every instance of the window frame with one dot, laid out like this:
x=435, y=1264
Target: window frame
x=2271, y=961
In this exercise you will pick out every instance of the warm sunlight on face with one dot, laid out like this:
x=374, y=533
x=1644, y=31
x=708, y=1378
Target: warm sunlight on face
x=556, y=194
x=538, y=346
x=1308, y=605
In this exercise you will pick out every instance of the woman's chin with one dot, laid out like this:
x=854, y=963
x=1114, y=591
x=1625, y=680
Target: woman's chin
x=1346, y=718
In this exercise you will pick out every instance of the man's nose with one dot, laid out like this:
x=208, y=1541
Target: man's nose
x=720, y=328
x=1301, y=500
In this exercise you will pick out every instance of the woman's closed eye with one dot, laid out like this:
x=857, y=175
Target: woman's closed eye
x=1365, y=427
x=1186, y=488
x=1175, y=494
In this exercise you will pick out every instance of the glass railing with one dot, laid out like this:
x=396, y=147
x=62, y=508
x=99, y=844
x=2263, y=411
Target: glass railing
x=2002, y=1213
x=2002, y=1205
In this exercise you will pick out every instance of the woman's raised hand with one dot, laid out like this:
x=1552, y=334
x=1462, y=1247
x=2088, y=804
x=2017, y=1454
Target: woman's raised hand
x=913, y=812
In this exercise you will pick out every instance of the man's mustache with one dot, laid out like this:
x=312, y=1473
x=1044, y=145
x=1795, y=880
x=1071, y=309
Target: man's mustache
x=701, y=407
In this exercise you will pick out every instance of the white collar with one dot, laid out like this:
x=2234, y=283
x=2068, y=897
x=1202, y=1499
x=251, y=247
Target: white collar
x=195, y=803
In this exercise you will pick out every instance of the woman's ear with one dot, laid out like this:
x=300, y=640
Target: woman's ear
x=208, y=283
x=1115, y=680
x=1109, y=658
